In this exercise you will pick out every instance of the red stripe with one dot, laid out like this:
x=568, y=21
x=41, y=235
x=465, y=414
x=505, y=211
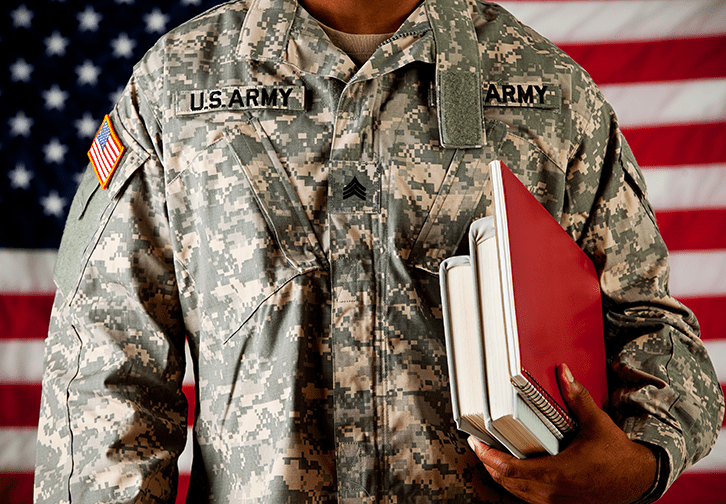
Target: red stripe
x=24, y=316
x=710, y=314
x=16, y=488
x=181, y=495
x=693, y=229
x=98, y=161
x=678, y=145
x=697, y=488
x=651, y=61
x=20, y=404
x=188, y=391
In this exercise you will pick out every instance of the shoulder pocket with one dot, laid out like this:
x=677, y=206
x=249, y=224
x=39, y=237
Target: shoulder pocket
x=89, y=213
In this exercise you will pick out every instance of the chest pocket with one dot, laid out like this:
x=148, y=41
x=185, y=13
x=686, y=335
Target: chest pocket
x=464, y=196
x=241, y=231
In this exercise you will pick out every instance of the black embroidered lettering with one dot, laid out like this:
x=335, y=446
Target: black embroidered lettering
x=269, y=98
x=285, y=95
x=541, y=92
x=201, y=101
x=492, y=93
x=508, y=93
x=214, y=99
x=236, y=99
x=252, y=95
x=525, y=96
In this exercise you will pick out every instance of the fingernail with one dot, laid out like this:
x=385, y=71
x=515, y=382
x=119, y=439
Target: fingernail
x=568, y=373
x=471, y=443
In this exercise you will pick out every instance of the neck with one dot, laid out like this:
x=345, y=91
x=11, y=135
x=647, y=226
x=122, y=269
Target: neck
x=361, y=16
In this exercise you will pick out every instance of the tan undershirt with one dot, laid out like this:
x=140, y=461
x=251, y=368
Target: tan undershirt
x=359, y=47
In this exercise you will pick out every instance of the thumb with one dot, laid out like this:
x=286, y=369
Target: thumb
x=578, y=399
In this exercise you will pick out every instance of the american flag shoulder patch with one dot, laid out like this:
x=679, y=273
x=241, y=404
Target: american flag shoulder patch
x=105, y=152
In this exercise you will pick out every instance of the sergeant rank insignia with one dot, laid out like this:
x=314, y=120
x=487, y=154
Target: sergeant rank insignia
x=105, y=152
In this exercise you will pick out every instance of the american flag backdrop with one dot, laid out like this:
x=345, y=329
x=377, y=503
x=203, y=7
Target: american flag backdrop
x=661, y=63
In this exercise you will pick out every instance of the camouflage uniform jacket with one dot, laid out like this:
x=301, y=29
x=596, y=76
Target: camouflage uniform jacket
x=286, y=212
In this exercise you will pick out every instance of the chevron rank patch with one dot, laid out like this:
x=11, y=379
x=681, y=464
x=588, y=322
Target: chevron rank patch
x=105, y=152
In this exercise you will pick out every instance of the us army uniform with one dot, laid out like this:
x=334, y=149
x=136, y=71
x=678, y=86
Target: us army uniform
x=286, y=212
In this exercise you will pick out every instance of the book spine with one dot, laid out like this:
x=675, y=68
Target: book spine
x=544, y=403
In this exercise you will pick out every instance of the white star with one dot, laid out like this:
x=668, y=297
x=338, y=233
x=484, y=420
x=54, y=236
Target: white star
x=20, y=124
x=22, y=17
x=55, y=152
x=55, y=98
x=115, y=97
x=78, y=178
x=123, y=46
x=20, y=177
x=20, y=71
x=53, y=204
x=156, y=21
x=88, y=73
x=86, y=126
x=89, y=19
x=56, y=44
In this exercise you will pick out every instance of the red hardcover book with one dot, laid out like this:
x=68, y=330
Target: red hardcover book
x=536, y=303
x=550, y=299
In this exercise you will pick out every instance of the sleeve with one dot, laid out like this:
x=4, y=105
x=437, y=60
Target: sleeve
x=113, y=417
x=663, y=388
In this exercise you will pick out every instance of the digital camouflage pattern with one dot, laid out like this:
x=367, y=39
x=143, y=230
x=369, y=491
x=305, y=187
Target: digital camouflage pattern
x=286, y=212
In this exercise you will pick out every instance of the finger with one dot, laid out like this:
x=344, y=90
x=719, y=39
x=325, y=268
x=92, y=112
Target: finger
x=496, y=462
x=579, y=401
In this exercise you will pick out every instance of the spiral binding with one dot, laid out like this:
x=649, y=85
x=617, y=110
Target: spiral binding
x=543, y=402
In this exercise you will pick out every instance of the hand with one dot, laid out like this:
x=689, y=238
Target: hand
x=600, y=465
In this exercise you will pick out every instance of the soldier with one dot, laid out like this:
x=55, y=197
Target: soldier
x=277, y=186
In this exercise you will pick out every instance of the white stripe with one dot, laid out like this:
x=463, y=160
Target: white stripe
x=686, y=187
x=658, y=104
x=112, y=147
x=609, y=20
x=698, y=273
x=17, y=449
x=96, y=155
x=715, y=461
x=185, y=459
x=21, y=361
x=17, y=452
x=108, y=157
x=26, y=271
x=103, y=162
x=716, y=349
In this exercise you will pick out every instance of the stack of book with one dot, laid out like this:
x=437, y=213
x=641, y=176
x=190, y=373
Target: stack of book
x=524, y=300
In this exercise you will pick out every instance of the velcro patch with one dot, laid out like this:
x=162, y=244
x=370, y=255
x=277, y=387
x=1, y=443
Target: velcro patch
x=105, y=152
x=239, y=98
x=532, y=95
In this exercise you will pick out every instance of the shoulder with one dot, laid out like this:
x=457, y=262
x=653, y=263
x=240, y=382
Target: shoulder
x=208, y=36
x=514, y=50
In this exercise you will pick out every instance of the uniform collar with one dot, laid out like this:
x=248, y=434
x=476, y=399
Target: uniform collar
x=437, y=31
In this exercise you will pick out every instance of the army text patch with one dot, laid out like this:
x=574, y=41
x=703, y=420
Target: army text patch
x=533, y=95
x=240, y=98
